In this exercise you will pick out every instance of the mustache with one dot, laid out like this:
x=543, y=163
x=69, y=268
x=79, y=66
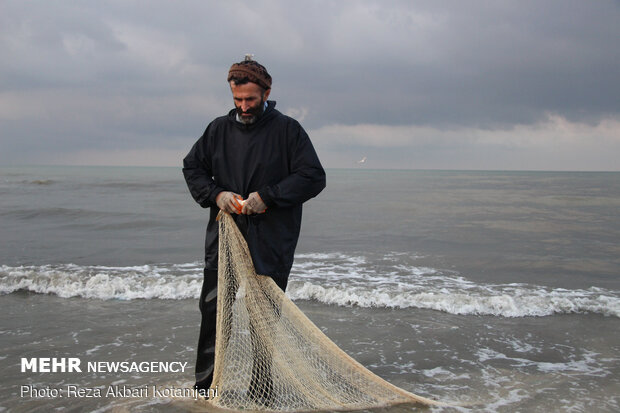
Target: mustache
x=256, y=111
x=253, y=111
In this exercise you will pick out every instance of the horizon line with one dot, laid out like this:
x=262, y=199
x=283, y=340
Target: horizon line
x=326, y=168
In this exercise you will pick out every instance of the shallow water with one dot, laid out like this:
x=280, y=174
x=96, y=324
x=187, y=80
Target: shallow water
x=511, y=364
x=497, y=291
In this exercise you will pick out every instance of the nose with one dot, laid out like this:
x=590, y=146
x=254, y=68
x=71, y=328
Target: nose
x=245, y=106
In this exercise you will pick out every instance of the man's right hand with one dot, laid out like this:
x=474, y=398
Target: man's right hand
x=229, y=202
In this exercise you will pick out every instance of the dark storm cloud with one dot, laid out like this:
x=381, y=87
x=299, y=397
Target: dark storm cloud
x=468, y=63
x=132, y=75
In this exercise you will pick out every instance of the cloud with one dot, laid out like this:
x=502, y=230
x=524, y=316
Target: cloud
x=123, y=157
x=298, y=113
x=554, y=143
x=554, y=130
x=113, y=76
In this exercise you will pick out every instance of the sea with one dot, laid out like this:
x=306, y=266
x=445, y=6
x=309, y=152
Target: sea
x=490, y=291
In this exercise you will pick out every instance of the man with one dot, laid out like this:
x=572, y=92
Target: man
x=260, y=166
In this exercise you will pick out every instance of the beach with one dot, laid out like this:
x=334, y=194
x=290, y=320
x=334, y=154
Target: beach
x=491, y=291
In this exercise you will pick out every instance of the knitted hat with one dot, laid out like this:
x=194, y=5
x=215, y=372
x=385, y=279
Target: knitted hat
x=250, y=70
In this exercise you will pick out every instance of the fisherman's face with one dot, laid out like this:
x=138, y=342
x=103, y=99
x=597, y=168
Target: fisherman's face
x=249, y=100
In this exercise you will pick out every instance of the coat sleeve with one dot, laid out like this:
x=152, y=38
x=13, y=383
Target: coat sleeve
x=198, y=173
x=307, y=178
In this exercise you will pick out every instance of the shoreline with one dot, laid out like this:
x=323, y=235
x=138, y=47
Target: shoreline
x=433, y=354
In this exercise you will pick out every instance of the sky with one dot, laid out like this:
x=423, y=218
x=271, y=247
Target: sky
x=500, y=85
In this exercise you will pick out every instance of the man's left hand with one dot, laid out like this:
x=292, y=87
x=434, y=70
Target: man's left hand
x=253, y=205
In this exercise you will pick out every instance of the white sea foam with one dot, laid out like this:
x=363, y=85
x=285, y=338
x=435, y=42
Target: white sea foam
x=529, y=302
x=395, y=281
x=390, y=281
x=104, y=282
x=587, y=364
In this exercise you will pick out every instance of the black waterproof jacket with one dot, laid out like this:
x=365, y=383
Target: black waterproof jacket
x=273, y=156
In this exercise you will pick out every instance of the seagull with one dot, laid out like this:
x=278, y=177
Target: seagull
x=362, y=160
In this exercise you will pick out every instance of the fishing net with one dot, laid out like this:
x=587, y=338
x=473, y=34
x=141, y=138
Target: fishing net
x=270, y=356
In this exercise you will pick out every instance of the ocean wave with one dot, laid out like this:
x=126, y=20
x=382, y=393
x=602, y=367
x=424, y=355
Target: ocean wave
x=65, y=213
x=136, y=185
x=330, y=278
x=523, y=302
x=40, y=182
x=9, y=180
x=101, y=282
x=396, y=280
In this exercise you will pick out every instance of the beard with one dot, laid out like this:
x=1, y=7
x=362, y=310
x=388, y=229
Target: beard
x=251, y=115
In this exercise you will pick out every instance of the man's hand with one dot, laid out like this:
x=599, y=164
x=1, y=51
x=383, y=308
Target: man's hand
x=229, y=202
x=253, y=205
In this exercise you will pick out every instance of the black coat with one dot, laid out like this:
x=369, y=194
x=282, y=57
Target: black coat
x=273, y=156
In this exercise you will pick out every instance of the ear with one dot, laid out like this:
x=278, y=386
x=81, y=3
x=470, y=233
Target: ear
x=266, y=94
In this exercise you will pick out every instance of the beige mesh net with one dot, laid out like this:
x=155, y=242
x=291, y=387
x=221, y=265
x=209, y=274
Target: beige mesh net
x=270, y=356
